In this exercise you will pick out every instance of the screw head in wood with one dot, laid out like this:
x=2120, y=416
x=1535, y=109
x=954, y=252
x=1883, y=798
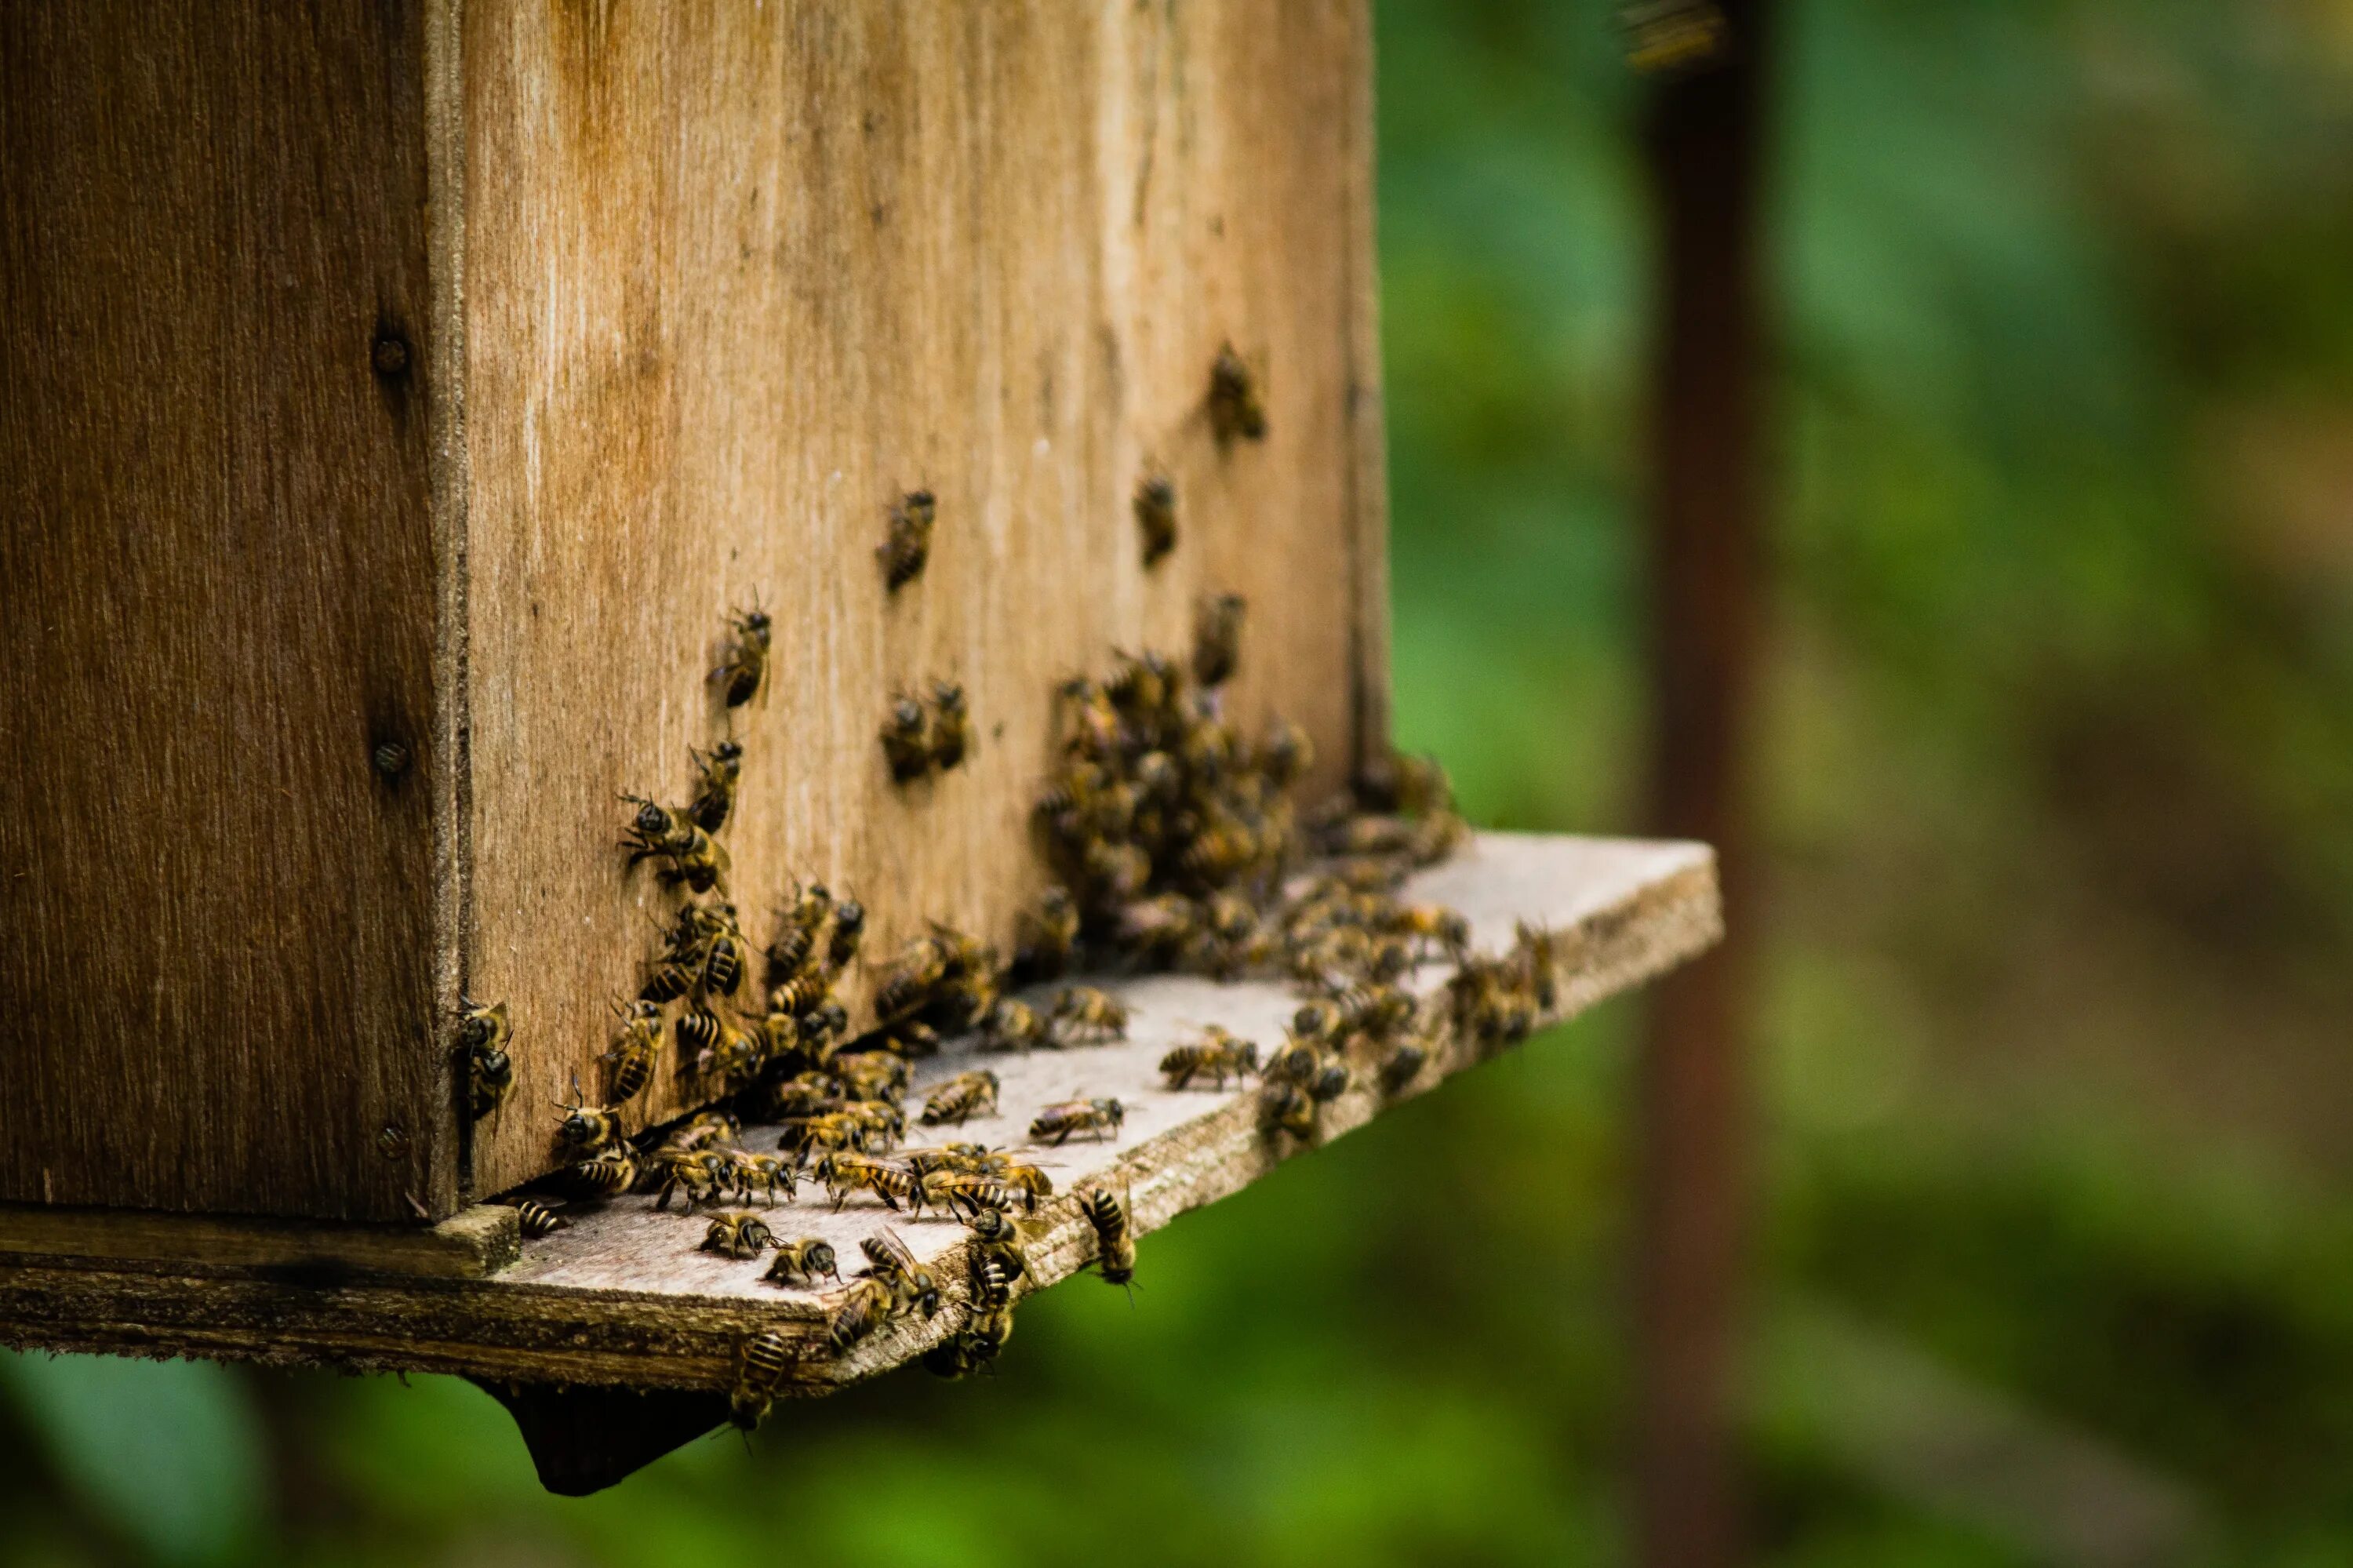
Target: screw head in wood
x=392, y=1140
x=390, y=758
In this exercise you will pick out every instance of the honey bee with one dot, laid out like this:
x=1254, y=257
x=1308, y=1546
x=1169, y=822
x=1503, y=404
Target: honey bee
x=760, y=1367
x=806, y=1094
x=912, y=976
x=1286, y=753
x=975, y=1346
x=1289, y=1108
x=995, y=1236
x=1013, y=1025
x=1156, y=516
x=797, y=932
x=801, y=996
x=1408, y=785
x=951, y=733
x=1304, y=1065
x=1218, y=639
x=880, y=1122
x=961, y=1098
x=585, y=1128
x=737, y=1235
x=1092, y=722
x=873, y=1075
x=1432, y=927
x=700, y=1173
x=845, y=1172
x=1403, y=1066
x=908, y=545
x=1234, y=406
x=849, y=925
x=698, y=1032
x=482, y=1034
x=1538, y=955
x=1118, y=871
x=631, y=1061
x=717, y=772
x=904, y=743
x=861, y=1310
x=538, y=1219
x=1057, y=1124
x=964, y=1191
x=606, y=1174
x=912, y=1286
x=1027, y=1180
x=1218, y=1054
x=802, y=1263
x=1084, y=1013
x=1115, y=1240
x=1159, y=927
x=657, y=833
x=745, y=663
x=828, y=1132
x=761, y=1173
x=703, y=1129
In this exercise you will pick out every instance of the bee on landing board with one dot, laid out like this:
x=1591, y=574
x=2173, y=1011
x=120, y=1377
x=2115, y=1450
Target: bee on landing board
x=1013, y=1025
x=961, y=1098
x=802, y=1263
x=1082, y=1013
x=1058, y=1124
x=608, y=1174
x=908, y=545
x=745, y=663
x=1218, y=1055
x=538, y=1218
x=737, y=1235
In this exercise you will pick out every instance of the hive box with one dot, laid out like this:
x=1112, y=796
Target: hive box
x=437, y=376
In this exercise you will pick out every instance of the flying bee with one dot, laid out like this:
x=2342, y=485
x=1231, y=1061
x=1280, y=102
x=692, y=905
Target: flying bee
x=1084, y=1012
x=1057, y=1124
x=585, y=1128
x=912, y=1286
x=1403, y=1066
x=717, y=772
x=482, y=1035
x=760, y=1367
x=951, y=731
x=908, y=545
x=1218, y=1054
x=1218, y=639
x=904, y=744
x=737, y=1235
x=1156, y=516
x=909, y=983
x=745, y=662
x=962, y=1097
x=802, y=1263
x=1013, y=1026
x=861, y=1310
x=761, y=1173
x=845, y=1173
x=1115, y=1239
x=606, y=1174
x=1234, y=406
x=629, y=1065
x=538, y=1219
x=849, y=926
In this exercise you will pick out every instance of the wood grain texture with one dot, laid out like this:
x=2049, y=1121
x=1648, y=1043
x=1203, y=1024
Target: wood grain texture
x=623, y=1298
x=735, y=278
x=470, y=1244
x=215, y=592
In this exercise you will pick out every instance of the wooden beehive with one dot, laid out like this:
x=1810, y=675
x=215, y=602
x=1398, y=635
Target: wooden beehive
x=442, y=374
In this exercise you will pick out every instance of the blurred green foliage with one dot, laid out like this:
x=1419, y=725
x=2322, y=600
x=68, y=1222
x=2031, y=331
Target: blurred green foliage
x=2060, y=758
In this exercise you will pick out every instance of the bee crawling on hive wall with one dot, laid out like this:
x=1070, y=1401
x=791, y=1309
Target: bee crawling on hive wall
x=693, y=856
x=482, y=1035
x=908, y=543
x=1156, y=516
x=951, y=727
x=1234, y=407
x=906, y=745
x=744, y=667
x=629, y=1065
x=717, y=773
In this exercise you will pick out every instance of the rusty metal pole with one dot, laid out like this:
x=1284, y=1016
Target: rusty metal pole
x=1706, y=145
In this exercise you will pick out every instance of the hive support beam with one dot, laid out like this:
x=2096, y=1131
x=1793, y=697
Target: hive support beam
x=584, y=1439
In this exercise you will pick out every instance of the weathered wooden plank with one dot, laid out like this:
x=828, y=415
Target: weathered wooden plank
x=737, y=276
x=623, y=1298
x=472, y=1244
x=215, y=592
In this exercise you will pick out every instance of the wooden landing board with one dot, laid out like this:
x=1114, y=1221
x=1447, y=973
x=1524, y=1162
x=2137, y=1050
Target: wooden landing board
x=624, y=1299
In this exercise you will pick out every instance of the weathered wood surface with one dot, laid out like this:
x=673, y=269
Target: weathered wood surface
x=623, y=1298
x=738, y=277
x=217, y=583
x=472, y=1244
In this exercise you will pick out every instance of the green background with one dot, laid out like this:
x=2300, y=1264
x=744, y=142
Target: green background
x=2055, y=1256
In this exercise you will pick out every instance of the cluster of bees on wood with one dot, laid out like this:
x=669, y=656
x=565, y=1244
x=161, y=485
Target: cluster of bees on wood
x=1174, y=843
